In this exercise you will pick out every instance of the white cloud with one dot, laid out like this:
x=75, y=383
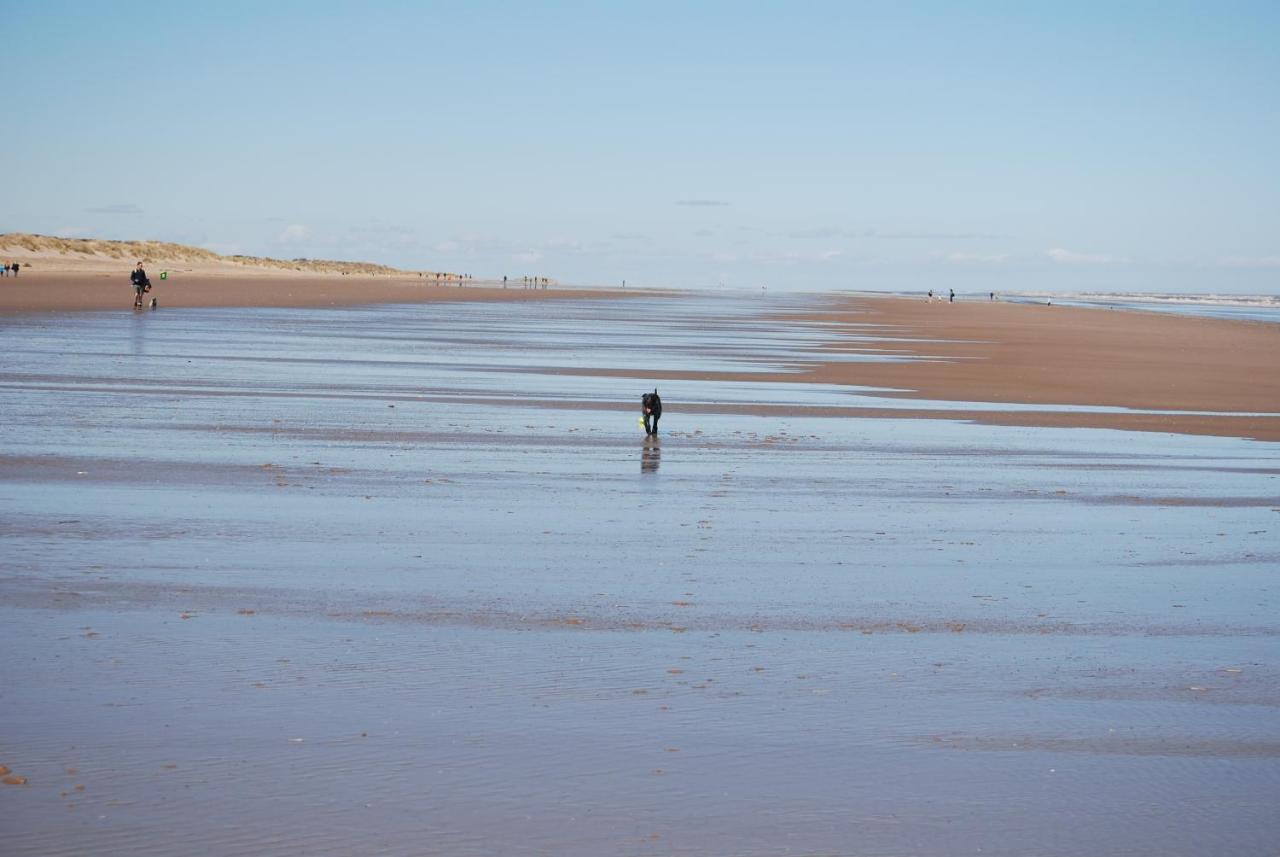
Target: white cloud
x=1067, y=257
x=1252, y=261
x=978, y=258
x=526, y=256
x=115, y=208
x=293, y=233
x=831, y=254
x=446, y=247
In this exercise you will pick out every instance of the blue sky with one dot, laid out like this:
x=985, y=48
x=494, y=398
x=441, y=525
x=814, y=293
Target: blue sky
x=1005, y=146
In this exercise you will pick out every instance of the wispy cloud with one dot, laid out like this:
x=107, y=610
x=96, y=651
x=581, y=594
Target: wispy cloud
x=115, y=208
x=293, y=233
x=828, y=232
x=563, y=244
x=703, y=203
x=1068, y=257
x=526, y=256
x=911, y=235
x=1252, y=261
x=381, y=229
x=977, y=258
x=822, y=232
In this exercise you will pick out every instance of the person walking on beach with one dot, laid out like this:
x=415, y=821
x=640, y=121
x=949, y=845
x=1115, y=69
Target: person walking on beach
x=930, y=295
x=141, y=285
x=15, y=267
x=4, y=272
x=952, y=299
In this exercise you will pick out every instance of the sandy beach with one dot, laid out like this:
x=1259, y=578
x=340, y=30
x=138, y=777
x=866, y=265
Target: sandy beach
x=1157, y=372
x=340, y=514
x=87, y=291
x=406, y=577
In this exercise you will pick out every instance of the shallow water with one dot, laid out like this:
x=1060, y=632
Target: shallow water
x=382, y=580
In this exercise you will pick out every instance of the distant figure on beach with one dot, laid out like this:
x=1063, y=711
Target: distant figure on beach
x=4, y=272
x=141, y=285
x=930, y=295
x=504, y=281
x=14, y=267
x=952, y=299
x=651, y=405
x=993, y=296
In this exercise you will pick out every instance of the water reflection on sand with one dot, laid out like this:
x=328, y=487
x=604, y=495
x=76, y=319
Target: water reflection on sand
x=355, y=581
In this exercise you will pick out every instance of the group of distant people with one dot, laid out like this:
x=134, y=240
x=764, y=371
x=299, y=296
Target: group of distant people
x=951, y=297
x=12, y=266
x=460, y=278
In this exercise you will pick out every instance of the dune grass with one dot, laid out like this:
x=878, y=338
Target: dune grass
x=160, y=252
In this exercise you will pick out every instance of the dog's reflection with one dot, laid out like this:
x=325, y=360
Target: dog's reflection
x=650, y=455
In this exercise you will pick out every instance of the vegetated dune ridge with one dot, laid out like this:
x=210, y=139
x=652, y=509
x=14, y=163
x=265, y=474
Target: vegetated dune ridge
x=50, y=254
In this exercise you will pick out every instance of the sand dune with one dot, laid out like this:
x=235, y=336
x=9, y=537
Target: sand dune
x=49, y=254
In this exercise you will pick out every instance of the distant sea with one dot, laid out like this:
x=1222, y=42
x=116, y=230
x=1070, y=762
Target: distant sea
x=1246, y=307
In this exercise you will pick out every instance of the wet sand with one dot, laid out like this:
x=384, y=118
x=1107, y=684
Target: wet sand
x=60, y=291
x=408, y=579
x=1024, y=353
x=1191, y=375
x=1135, y=371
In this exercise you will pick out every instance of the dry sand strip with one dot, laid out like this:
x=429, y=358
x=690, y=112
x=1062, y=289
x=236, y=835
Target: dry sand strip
x=1045, y=355
x=1025, y=353
x=78, y=292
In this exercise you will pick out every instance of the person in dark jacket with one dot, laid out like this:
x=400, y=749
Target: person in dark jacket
x=141, y=285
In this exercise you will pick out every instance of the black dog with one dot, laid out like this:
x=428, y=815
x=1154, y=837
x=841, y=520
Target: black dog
x=651, y=404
